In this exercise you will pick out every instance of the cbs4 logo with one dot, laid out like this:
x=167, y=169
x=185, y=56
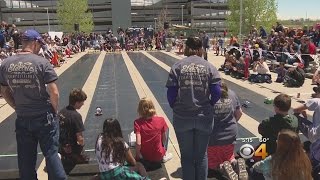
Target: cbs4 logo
x=247, y=151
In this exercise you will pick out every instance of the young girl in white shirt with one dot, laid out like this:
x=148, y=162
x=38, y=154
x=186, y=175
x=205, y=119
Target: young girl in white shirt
x=113, y=154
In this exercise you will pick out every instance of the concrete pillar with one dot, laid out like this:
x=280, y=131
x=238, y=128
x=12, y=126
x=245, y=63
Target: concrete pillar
x=121, y=14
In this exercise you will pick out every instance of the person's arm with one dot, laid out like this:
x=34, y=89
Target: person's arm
x=255, y=66
x=54, y=95
x=238, y=113
x=129, y=158
x=265, y=67
x=164, y=138
x=315, y=77
x=300, y=109
x=173, y=87
x=215, y=91
x=164, y=134
x=7, y=95
x=263, y=128
x=138, y=146
x=172, y=93
x=80, y=139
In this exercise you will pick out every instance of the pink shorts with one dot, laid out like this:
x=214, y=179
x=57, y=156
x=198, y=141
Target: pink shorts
x=218, y=154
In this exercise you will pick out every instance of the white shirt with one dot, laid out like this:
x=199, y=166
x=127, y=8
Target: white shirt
x=105, y=164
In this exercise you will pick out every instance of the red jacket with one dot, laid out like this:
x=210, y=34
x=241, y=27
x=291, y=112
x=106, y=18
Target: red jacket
x=312, y=48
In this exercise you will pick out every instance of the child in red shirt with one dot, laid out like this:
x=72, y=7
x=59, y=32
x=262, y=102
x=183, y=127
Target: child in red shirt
x=150, y=134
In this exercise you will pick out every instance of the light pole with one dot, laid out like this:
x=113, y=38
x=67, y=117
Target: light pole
x=210, y=15
x=155, y=25
x=241, y=4
x=48, y=19
x=182, y=14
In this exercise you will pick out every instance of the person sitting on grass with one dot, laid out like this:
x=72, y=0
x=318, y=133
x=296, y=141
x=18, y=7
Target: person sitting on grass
x=270, y=128
x=113, y=154
x=151, y=135
x=288, y=162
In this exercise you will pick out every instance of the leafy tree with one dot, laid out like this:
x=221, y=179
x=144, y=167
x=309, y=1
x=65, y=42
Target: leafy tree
x=72, y=12
x=254, y=12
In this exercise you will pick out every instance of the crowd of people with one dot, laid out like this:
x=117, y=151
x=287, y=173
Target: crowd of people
x=206, y=145
x=289, y=51
x=205, y=110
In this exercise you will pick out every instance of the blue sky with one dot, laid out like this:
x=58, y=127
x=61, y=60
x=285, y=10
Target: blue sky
x=294, y=9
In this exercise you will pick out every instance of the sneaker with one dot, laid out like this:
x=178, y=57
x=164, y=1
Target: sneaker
x=228, y=171
x=167, y=157
x=241, y=169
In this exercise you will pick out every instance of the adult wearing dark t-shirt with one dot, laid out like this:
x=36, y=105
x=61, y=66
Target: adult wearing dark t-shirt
x=71, y=128
x=23, y=80
x=193, y=88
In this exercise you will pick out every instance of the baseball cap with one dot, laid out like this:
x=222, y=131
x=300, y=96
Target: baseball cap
x=32, y=35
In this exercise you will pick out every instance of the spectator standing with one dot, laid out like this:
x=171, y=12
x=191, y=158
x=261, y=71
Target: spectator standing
x=304, y=49
x=71, y=128
x=205, y=44
x=37, y=122
x=15, y=36
x=279, y=27
x=311, y=129
x=190, y=84
x=227, y=111
x=263, y=33
x=2, y=38
x=220, y=46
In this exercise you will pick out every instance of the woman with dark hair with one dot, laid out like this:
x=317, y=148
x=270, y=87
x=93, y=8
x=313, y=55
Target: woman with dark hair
x=113, y=153
x=193, y=88
x=288, y=162
x=227, y=111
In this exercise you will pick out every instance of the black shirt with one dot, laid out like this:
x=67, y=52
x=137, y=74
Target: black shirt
x=70, y=124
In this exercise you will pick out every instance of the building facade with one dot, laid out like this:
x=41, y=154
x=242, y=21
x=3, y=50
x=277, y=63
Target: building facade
x=209, y=15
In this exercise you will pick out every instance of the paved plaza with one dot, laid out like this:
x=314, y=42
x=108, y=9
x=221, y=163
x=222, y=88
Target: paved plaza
x=115, y=82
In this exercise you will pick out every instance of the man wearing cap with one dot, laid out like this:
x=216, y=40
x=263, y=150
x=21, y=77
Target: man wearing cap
x=24, y=79
x=311, y=129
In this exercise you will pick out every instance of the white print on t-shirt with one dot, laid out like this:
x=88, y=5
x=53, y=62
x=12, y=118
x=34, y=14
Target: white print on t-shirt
x=22, y=74
x=193, y=75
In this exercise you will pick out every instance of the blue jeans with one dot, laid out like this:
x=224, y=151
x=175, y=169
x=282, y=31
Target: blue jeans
x=30, y=131
x=193, y=148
